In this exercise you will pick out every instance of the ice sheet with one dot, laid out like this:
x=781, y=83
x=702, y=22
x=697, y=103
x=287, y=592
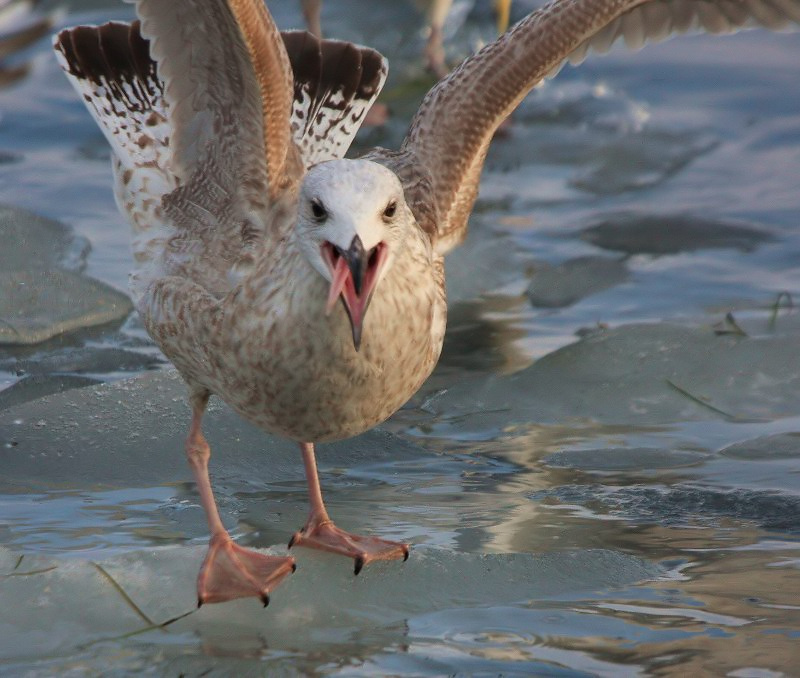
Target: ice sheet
x=322, y=603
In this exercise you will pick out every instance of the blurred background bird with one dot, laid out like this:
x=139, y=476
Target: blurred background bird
x=436, y=13
x=21, y=25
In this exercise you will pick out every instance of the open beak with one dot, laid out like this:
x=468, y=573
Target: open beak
x=354, y=274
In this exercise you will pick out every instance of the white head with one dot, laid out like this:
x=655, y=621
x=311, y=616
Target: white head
x=352, y=221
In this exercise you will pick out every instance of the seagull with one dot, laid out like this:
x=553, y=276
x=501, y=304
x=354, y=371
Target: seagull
x=305, y=289
x=435, y=11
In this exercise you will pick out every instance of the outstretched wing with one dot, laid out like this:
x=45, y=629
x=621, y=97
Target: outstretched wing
x=227, y=84
x=195, y=100
x=228, y=91
x=450, y=134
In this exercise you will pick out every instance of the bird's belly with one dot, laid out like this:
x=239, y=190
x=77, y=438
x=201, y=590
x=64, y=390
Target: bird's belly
x=317, y=388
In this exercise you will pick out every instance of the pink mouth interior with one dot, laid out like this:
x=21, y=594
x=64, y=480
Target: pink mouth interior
x=342, y=281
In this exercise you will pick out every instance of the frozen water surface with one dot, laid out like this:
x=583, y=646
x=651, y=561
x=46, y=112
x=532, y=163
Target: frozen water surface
x=556, y=286
x=41, y=294
x=38, y=305
x=601, y=478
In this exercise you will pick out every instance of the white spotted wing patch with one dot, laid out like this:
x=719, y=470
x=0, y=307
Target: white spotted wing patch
x=111, y=70
x=335, y=84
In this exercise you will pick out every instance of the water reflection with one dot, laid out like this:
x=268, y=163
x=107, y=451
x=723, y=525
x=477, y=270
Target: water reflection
x=572, y=513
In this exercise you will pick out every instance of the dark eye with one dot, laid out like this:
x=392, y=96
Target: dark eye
x=390, y=210
x=319, y=212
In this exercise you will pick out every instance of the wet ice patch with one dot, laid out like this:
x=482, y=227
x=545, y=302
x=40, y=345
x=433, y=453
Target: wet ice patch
x=481, y=263
x=83, y=360
x=131, y=434
x=578, y=138
x=508, y=641
x=768, y=461
x=623, y=459
x=660, y=234
x=35, y=306
x=580, y=103
x=33, y=242
x=640, y=160
x=752, y=482
x=42, y=293
x=56, y=607
x=782, y=446
x=571, y=281
x=76, y=523
x=684, y=505
x=633, y=374
x=40, y=385
x=58, y=440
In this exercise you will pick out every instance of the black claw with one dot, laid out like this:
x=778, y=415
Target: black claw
x=291, y=541
x=199, y=602
x=405, y=555
x=294, y=568
x=359, y=564
x=265, y=599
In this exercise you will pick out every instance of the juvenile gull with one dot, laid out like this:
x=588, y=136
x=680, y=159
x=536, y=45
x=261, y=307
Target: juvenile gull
x=304, y=289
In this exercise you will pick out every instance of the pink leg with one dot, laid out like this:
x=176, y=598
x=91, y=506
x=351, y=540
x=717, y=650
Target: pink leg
x=434, y=52
x=228, y=571
x=320, y=532
x=311, y=12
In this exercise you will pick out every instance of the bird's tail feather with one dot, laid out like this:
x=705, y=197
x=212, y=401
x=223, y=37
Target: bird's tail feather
x=335, y=84
x=111, y=69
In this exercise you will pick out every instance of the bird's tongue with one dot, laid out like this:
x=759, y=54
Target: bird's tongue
x=342, y=284
x=341, y=274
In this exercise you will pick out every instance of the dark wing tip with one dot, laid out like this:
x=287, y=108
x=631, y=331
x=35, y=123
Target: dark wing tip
x=335, y=83
x=373, y=72
x=110, y=54
x=330, y=65
x=305, y=55
x=341, y=68
x=62, y=44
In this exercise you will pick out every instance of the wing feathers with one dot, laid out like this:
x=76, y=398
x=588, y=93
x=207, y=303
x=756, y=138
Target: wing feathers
x=274, y=74
x=451, y=132
x=656, y=20
x=227, y=84
x=111, y=69
x=335, y=83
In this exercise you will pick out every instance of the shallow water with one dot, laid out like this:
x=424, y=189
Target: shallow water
x=601, y=478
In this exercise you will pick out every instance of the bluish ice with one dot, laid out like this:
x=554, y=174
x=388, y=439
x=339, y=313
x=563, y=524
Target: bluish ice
x=602, y=477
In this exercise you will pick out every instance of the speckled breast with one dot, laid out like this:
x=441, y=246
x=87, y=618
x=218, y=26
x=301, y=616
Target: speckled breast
x=299, y=375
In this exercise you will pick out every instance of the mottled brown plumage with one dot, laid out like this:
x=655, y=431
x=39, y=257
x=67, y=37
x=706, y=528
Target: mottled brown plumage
x=304, y=289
